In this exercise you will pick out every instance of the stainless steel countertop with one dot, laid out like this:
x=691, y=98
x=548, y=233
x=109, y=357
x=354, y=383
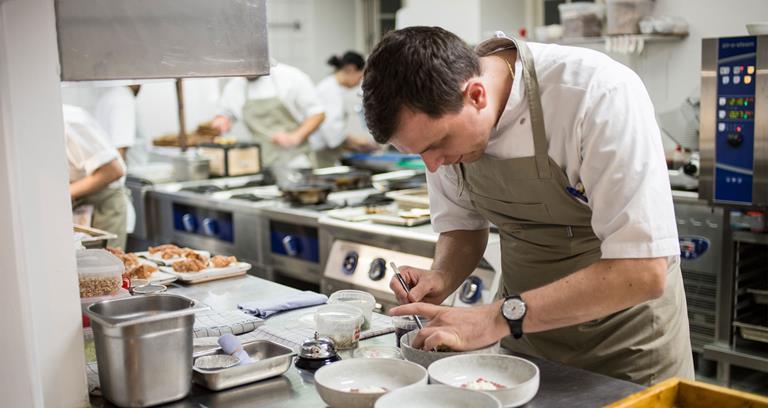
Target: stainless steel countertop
x=560, y=385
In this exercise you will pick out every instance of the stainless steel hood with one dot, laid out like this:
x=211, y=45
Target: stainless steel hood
x=141, y=39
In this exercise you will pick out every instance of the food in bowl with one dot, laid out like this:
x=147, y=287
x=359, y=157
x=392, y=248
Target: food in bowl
x=371, y=389
x=481, y=384
x=427, y=357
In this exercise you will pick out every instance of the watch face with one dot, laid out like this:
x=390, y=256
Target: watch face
x=514, y=309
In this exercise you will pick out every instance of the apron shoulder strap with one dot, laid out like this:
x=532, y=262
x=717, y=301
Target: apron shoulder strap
x=531, y=83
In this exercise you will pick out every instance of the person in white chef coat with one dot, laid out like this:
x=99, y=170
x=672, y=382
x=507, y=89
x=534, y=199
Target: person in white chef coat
x=96, y=173
x=280, y=111
x=559, y=148
x=116, y=113
x=334, y=90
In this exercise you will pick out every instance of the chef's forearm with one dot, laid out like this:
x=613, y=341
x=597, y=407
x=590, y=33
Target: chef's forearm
x=598, y=290
x=96, y=181
x=458, y=252
x=309, y=125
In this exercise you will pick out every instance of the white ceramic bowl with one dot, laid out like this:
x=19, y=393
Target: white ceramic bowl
x=519, y=376
x=424, y=358
x=437, y=396
x=757, y=28
x=335, y=381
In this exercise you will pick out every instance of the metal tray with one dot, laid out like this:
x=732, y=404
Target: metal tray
x=271, y=359
x=753, y=331
x=761, y=295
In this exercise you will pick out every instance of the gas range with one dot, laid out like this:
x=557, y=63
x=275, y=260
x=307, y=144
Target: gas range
x=243, y=217
x=357, y=256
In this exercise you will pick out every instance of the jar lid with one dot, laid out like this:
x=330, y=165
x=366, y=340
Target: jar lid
x=98, y=262
x=148, y=289
x=318, y=348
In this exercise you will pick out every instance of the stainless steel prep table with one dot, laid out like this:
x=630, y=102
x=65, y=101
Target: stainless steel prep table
x=560, y=385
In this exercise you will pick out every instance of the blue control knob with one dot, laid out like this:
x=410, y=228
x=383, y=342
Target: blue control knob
x=190, y=222
x=292, y=245
x=471, y=290
x=350, y=263
x=210, y=227
x=378, y=269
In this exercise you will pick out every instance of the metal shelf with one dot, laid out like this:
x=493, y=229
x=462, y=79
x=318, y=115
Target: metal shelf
x=751, y=237
x=754, y=357
x=647, y=38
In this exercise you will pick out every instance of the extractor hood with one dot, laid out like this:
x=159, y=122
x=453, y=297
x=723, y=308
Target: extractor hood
x=143, y=39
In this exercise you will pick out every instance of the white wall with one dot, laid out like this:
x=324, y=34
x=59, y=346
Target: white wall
x=461, y=17
x=43, y=362
x=501, y=15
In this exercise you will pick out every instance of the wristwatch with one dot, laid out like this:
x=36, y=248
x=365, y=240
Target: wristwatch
x=513, y=309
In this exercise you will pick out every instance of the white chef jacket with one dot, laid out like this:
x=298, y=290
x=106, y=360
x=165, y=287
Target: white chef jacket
x=331, y=132
x=293, y=87
x=87, y=145
x=602, y=132
x=116, y=113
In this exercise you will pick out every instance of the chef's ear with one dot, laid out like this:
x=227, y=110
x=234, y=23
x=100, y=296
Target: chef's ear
x=475, y=94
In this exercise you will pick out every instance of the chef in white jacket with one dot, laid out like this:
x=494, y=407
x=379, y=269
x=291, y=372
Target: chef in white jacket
x=280, y=111
x=334, y=90
x=96, y=173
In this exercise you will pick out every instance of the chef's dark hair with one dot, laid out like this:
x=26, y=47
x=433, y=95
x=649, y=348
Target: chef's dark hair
x=349, y=58
x=420, y=68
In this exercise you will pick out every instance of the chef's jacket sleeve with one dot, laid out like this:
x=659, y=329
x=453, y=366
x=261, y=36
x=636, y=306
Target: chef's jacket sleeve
x=450, y=210
x=306, y=99
x=87, y=147
x=331, y=132
x=624, y=171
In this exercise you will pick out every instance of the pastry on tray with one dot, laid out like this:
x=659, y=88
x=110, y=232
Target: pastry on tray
x=220, y=261
x=189, y=265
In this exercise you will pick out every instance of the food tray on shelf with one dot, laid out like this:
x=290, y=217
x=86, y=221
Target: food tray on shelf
x=753, y=332
x=91, y=237
x=411, y=198
x=270, y=360
x=680, y=393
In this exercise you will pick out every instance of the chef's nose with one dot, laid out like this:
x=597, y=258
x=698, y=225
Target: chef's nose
x=433, y=160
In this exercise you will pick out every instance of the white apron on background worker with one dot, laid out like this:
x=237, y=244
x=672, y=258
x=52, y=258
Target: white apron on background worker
x=274, y=108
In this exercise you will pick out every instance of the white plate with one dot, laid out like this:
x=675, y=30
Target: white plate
x=162, y=278
x=207, y=272
x=156, y=256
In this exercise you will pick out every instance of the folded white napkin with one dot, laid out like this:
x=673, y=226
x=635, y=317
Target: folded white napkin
x=266, y=308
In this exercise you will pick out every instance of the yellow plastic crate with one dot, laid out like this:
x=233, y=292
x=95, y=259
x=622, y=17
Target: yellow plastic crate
x=678, y=393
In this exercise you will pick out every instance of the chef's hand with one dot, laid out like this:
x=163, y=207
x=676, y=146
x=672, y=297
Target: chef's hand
x=459, y=328
x=426, y=286
x=286, y=139
x=222, y=122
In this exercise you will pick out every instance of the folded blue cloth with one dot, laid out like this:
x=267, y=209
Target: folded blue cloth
x=266, y=308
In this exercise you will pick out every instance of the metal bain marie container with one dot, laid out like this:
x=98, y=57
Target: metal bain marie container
x=144, y=348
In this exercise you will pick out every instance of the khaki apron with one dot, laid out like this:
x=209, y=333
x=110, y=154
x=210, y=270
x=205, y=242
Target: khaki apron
x=327, y=157
x=265, y=117
x=546, y=234
x=109, y=212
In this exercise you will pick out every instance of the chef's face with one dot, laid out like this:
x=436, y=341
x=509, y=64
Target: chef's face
x=452, y=138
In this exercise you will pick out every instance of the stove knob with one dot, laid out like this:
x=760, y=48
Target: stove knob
x=471, y=290
x=189, y=222
x=210, y=227
x=735, y=139
x=350, y=263
x=292, y=245
x=378, y=269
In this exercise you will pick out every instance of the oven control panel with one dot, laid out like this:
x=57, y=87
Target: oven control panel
x=366, y=267
x=203, y=221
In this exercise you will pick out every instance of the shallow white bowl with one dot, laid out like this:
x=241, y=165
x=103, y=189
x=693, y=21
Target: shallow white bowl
x=520, y=376
x=757, y=28
x=424, y=358
x=437, y=396
x=334, y=381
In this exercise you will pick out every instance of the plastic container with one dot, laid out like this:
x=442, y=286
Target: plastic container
x=623, y=16
x=581, y=19
x=100, y=273
x=341, y=323
x=359, y=299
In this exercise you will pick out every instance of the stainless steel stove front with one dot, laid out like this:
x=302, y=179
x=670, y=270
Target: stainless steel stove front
x=357, y=256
